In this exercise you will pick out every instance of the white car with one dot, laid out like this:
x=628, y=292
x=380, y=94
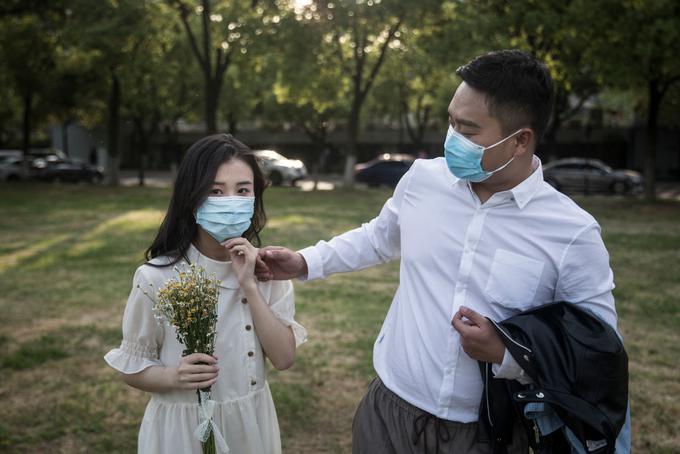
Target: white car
x=12, y=169
x=280, y=169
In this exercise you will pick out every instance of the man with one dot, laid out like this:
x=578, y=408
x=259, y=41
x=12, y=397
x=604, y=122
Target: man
x=479, y=235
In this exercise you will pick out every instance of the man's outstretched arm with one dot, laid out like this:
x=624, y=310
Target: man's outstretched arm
x=375, y=242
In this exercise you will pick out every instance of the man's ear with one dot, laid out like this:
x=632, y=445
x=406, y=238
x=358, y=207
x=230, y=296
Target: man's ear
x=524, y=141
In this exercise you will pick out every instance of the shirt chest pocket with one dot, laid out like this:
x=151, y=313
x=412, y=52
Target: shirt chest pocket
x=513, y=279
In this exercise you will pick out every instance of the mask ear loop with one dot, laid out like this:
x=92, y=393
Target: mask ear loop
x=503, y=140
x=498, y=143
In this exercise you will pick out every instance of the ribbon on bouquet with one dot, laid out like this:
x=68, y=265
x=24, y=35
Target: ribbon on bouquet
x=206, y=408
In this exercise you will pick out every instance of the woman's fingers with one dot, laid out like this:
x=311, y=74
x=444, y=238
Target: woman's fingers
x=202, y=384
x=200, y=358
x=230, y=244
x=200, y=377
x=244, y=251
x=238, y=244
x=201, y=369
x=237, y=249
x=233, y=241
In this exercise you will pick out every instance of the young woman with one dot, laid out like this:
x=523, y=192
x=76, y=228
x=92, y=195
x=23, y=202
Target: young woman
x=215, y=212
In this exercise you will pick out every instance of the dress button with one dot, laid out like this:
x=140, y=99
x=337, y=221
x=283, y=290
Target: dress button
x=251, y=353
x=253, y=382
x=244, y=300
x=248, y=327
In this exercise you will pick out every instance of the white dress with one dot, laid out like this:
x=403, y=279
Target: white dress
x=244, y=412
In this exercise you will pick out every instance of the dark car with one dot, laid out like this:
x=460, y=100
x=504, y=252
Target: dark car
x=47, y=154
x=385, y=170
x=67, y=171
x=589, y=176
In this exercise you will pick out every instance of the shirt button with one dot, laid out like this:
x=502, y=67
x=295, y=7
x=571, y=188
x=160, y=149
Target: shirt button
x=251, y=353
x=248, y=327
x=253, y=383
x=244, y=300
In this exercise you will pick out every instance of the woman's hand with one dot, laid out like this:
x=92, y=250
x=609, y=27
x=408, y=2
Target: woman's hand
x=243, y=257
x=196, y=371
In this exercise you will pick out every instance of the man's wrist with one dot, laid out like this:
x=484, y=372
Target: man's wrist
x=311, y=267
x=304, y=270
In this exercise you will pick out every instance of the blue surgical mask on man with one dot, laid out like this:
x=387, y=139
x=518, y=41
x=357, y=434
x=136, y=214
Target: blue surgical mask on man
x=226, y=217
x=464, y=157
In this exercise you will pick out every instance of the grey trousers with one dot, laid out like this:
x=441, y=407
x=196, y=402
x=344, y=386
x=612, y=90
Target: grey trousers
x=385, y=423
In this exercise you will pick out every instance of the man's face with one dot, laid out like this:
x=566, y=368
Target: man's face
x=470, y=116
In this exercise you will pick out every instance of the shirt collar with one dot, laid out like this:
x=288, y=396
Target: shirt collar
x=523, y=192
x=223, y=270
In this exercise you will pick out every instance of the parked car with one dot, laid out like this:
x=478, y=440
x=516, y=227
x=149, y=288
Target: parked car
x=12, y=169
x=40, y=158
x=590, y=175
x=279, y=169
x=385, y=170
x=7, y=153
x=67, y=171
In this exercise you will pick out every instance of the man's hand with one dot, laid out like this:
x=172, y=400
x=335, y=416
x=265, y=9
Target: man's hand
x=478, y=337
x=275, y=262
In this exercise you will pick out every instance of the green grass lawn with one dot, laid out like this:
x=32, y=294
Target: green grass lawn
x=67, y=254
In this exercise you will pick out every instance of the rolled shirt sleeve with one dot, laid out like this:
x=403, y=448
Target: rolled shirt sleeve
x=585, y=277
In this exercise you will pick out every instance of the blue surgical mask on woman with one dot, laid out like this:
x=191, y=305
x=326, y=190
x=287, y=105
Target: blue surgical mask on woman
x=226, y=217
x=464, y=157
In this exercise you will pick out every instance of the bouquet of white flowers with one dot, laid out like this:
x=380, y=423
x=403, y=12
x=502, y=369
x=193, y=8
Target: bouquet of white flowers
x=188, y=303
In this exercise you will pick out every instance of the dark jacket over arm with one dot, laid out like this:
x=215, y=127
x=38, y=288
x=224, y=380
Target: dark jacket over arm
x=579, y=367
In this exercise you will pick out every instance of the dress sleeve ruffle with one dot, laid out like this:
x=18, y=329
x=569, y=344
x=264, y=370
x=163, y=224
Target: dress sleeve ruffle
x=131, y=358
x=282, y=304
x=142, y=333
x=299, y=331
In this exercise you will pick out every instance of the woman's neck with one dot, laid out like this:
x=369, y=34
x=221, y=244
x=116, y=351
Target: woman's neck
x=209, y=247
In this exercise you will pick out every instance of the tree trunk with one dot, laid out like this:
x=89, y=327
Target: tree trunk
x=113, y=130
x=550, y=148
x=210, y=105
x=351, y=151
x=143, y=143
x=26, y=126
x=652, y=131
x=64, y=136
x=560, y=105
x=171, y=149
x=232, y=122
x=142, y=164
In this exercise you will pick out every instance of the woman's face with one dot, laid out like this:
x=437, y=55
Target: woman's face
x=233, y=178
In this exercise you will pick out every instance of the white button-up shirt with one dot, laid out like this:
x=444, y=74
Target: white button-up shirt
x=524, y=247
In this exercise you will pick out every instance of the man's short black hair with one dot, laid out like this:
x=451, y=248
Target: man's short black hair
x=518, y=88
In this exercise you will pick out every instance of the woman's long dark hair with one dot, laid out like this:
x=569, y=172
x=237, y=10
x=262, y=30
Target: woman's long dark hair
x=195, y=178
